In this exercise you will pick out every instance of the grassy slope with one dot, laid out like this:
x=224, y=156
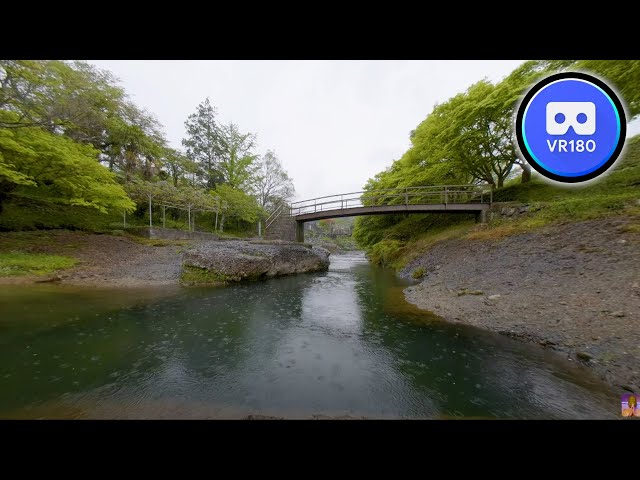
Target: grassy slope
x=615, y=194
x=22, y=263
x=21, y=254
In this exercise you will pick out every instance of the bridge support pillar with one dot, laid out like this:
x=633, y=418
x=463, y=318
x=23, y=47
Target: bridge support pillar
x=299, y=232
x=481, y=216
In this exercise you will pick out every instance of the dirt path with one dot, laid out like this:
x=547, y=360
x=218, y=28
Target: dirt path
x=105, y=260
x=572, y=288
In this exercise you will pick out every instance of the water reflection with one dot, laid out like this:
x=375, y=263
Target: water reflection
x=334, y=343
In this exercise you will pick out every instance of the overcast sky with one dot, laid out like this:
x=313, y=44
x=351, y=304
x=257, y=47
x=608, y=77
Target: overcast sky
x=332, y=124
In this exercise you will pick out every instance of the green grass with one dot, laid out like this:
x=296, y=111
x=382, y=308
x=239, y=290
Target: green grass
x=396, y=254
x=201, y=276
x=632, y=228
x=418, y=273
x=616, y=193
x=22, y=263
x=159, y=242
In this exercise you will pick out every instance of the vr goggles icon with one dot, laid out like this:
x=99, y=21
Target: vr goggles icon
x=579, y=115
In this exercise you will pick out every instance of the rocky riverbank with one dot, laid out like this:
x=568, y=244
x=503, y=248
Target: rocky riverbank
x=128, y=261
x=571, y=288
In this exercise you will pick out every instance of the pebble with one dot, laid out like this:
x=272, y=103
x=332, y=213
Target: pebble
x=583, y=356
x=617, y=314
x=493, y=297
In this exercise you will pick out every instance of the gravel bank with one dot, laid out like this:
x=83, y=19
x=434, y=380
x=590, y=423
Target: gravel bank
x=120, y=261
x=571, y=288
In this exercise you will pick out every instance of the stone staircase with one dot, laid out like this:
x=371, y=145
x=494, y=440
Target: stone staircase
x=283, y=227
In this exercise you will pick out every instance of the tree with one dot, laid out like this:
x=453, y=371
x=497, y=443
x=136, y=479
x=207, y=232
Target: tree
x=241, y=207
x=84, y=104
x=59, y=167
x=272, y=185
x=178, y=165
x=135, y=143
x=237, y=160
x=70, y=98
x=470, y=137
x=510, y=91
x=327, y=226
x=479, y=137
x=203, y=143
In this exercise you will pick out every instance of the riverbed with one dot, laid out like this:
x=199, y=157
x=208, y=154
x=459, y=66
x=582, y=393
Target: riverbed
x=341, y=343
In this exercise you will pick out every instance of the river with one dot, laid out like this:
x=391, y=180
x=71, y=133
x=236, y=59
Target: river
x=338, y=343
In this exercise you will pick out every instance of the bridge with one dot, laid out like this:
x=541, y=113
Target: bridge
x=287, y=221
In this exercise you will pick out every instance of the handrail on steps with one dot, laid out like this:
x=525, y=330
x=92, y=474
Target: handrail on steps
x=275, y=215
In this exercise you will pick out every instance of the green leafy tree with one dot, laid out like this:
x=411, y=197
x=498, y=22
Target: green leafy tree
x=59, y=167
x=70, y=98
x=478, y=138
x=242, y=208
x=203, y=143
x=237, y=159
x=135, y=144
x=178, y=166
x=84, y=104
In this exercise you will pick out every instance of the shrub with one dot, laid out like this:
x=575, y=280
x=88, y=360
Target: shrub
x=386, y=252
x=418, y=273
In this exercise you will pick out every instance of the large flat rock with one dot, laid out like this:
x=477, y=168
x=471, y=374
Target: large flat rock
x=234, y=261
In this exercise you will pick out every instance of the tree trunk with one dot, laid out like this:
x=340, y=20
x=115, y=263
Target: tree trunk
x=150, y=214
x=222, y=224
x=5, y=188
x=526, y=173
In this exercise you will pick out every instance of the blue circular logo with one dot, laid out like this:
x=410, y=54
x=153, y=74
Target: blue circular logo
x=571, y=127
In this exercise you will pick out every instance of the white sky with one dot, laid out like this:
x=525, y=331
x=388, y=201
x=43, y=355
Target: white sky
x=332, y=124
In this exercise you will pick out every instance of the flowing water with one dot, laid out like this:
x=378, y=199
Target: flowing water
x=342, y=342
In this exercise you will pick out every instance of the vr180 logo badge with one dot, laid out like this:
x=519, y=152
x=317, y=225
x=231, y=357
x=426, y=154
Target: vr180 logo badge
x=571, y=127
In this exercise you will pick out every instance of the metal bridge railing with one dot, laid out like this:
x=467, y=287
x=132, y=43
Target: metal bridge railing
x=437, y=194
